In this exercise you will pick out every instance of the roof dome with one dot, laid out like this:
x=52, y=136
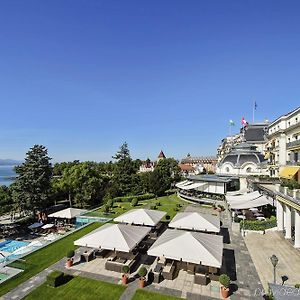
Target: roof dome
x=243, y=153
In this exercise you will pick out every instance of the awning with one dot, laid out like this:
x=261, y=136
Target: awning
x=193, y=247
x=196, y=221
x=141, y=216
x=260, y=201
x=193, y=186
x=243, y=197
x=183, y=183
x=288, y=172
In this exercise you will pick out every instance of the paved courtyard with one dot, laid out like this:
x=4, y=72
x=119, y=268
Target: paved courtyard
x=262, y=247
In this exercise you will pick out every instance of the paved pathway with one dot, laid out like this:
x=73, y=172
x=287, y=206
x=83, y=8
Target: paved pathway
x=262, y=247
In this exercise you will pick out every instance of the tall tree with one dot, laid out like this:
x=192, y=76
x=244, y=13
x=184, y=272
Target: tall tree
x=32, y=187
x=124, y=179
x=83, y=183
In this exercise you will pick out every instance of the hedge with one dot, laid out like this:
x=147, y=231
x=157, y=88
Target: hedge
x=259, y=225
x=130, y=198
x=55, y=278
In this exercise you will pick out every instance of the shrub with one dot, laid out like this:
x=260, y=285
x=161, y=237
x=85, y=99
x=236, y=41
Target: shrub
x=259, y=225
x=158, y=203
x=70, y=254
x=130, y=198
x=297, y=285
x=106, y=208
x=110, y=203
x=153, y=206
x=142, y=271
x=224, y=280
x=176, y=209
x=168, y=217
x=178, y=205
x=55, y=278
x=134, y=202
x=125, y=269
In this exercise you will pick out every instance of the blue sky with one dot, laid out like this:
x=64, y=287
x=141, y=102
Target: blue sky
x=81, y=77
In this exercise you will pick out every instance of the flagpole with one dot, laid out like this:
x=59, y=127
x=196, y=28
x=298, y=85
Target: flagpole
x=253, y=111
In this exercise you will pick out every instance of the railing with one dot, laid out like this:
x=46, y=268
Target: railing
x=293, y=144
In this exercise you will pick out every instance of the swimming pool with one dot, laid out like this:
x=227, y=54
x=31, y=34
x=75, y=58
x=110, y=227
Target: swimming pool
x=12, y=245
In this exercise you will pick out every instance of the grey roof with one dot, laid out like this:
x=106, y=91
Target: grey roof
x=243, y=153
x=210, y=178
x=256, y=133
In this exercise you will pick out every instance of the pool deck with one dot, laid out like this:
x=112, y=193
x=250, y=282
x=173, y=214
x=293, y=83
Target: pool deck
x=8, y=272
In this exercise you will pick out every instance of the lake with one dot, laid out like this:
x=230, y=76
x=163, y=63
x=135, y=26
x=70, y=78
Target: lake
x=6, y=175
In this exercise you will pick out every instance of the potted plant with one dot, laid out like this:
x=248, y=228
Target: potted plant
x=125, y=270
x=225, y=283
x=70, y=256
x=142, y=273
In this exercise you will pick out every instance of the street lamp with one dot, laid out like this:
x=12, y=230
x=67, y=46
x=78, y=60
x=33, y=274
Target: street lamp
x=274, y=261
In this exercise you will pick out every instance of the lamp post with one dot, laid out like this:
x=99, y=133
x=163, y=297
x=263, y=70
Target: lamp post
x=274, y=261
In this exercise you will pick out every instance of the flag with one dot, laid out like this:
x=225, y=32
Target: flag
x=255, y=105
x=231, y=123
x=244, y=122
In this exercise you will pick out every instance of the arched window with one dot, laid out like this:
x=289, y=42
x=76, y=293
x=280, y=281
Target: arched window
x=227, y=170
x=248, y=170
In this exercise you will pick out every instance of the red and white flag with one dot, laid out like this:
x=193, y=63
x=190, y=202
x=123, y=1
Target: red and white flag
x=244, y=122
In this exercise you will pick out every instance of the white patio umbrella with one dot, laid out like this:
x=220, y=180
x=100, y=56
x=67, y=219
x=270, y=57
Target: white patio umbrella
x=117, y=237
x=141, y=216
x=193, y=247
x=196, y=221
x=68, y=213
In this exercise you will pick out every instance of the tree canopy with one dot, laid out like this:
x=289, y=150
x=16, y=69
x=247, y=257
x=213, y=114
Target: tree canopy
x=32, y=187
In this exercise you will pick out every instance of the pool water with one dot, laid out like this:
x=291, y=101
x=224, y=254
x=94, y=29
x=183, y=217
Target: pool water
x=12, y=245
x=3, y=276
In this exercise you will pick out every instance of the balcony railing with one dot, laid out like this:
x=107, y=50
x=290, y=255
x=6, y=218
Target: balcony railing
x=293, y=144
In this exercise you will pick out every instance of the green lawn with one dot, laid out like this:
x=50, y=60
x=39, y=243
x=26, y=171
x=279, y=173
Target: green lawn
x=78, y=288
x=145, y=295
x=41, y=259
x=118, y=209
x=168, y=204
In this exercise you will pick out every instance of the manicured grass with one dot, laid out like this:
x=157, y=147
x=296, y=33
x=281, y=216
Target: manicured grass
x=145, y=295
x=168, y=204
x=118, y=209
x=78, y=288
x=41, y=259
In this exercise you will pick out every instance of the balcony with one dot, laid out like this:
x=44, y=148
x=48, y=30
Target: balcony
x=294, y=144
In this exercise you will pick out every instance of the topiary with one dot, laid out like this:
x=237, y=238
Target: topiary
x=70, y=254
x=142, y=271
x=125, y=269
x=168, y=217
x=110, y=203
x=106, y=208
x=134, y=202
x=224, y=279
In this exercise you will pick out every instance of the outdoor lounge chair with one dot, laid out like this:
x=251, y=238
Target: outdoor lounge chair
x=169, y=271
x=201, y=279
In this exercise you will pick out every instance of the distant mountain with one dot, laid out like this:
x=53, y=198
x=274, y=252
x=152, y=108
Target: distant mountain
x=9, y=162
